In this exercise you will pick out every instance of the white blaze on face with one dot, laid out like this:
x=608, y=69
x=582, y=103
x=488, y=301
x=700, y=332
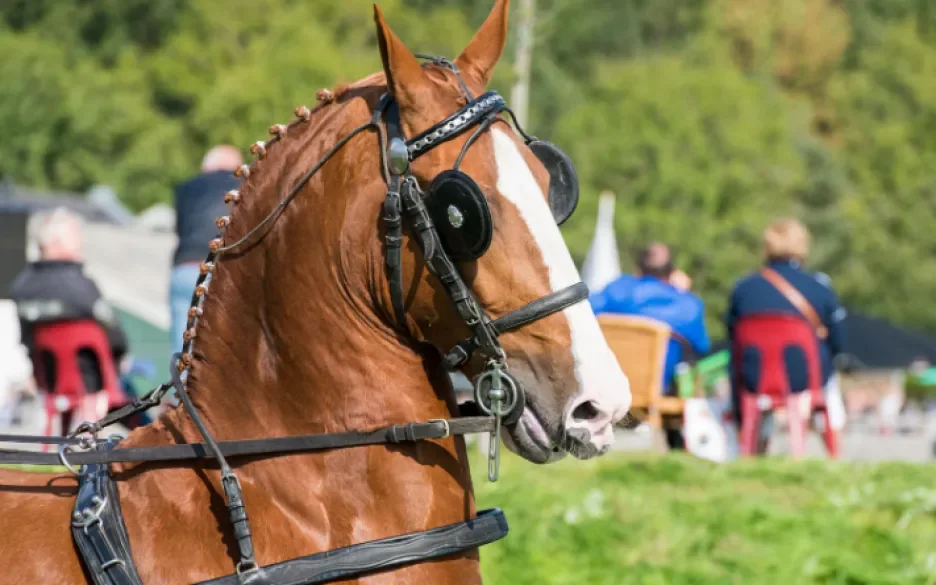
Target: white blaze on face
x=596, y=369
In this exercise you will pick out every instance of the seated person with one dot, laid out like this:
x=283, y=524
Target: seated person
x=651, y=294
x=56, y=289
x=786, y=245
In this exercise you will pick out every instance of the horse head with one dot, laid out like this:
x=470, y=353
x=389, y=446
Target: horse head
x=501, y=225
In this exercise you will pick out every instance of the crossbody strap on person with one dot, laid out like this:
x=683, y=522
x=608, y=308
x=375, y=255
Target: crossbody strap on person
x=796, y=298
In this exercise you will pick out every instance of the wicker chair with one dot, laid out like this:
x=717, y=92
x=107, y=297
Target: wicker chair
x=640, y=346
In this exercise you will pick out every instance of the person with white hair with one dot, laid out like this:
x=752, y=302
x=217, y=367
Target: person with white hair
x=55, y=288
x=199, y=202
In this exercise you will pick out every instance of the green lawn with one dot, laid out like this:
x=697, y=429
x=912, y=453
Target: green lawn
x=675, y=520
x=672, y=520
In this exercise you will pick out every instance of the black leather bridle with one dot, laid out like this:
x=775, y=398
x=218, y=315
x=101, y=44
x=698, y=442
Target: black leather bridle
x=497, y=394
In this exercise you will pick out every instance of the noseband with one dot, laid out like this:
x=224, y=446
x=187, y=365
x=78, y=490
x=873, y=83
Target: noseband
x=454, y=202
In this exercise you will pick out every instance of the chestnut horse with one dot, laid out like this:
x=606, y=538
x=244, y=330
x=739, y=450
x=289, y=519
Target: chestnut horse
x=298, y=335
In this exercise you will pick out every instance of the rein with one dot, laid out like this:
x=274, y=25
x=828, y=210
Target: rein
x=392, y=434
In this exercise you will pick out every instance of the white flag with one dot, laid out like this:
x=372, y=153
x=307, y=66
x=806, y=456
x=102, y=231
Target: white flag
x=602, y=264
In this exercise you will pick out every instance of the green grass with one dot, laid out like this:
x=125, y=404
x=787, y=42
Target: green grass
x=36, y=468
x=673, y=520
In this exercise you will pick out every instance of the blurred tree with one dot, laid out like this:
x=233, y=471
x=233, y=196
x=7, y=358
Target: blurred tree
x=706, y=117
x=699, y=156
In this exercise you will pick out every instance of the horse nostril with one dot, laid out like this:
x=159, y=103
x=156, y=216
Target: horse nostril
x=585, y=411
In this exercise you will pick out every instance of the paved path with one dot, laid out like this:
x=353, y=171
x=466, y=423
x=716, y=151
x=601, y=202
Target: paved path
x=857, y=445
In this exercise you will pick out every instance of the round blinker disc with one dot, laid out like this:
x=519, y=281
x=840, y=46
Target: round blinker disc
x=563, y=180
x=461, y=215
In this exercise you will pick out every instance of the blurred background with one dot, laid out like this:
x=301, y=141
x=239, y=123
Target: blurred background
x=701, y=119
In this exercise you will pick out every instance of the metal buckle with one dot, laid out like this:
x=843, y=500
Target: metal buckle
x=62, y=450
x=246, y=567
x=86, y=428
x=445, y=426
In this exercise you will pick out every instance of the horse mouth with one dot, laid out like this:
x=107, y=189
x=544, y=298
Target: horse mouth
x=530, y=439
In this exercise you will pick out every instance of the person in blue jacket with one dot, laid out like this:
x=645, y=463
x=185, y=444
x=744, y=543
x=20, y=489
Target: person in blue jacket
x=651, y=294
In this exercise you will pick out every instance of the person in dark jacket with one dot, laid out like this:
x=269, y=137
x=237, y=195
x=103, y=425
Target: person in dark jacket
x=56, y=289
x=199, y=202
x=786, y=246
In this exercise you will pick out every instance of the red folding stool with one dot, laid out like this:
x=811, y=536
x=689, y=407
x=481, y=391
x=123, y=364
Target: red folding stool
x=770, y=335
x=56, y=346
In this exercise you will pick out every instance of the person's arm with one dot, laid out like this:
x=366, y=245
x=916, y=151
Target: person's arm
x=104, y=313
x=599, y=301
x=833, y=318
x=696, y=332
x=731, y=315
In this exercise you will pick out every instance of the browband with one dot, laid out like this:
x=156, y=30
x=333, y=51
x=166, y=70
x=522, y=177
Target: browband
x=455, y=124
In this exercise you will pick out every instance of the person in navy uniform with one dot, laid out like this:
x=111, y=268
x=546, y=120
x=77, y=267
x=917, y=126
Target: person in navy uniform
x=786, y=246
x=660, y=292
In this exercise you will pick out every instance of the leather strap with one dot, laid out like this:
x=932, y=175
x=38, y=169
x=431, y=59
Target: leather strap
x=386, y=553
x=534, y=311
x=409, y=432
x=98, y=529
x=796, y=299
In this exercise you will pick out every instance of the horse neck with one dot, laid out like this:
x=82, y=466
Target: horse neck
x=291, y=339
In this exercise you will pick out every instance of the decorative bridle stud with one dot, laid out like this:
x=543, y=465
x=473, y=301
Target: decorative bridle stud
x=206, y=267
x=194, y=312
x=201, y=290
x=189, y=334
x=215, y=244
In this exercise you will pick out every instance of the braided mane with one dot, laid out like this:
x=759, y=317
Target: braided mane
x=254, y=183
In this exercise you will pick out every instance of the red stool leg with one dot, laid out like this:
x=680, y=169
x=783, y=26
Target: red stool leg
x=797, y=425
x=750, y=423
x=830, y=436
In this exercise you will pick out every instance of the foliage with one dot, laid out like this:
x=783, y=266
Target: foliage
x=702, y=160
x=650, y=520
x=705, y=117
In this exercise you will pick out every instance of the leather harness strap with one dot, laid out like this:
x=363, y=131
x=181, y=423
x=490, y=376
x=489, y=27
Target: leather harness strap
x=796, y=299
x=410, y=432
x=99, y=531
x=386, y=553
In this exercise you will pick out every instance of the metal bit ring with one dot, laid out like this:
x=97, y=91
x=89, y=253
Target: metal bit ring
x=507, y=402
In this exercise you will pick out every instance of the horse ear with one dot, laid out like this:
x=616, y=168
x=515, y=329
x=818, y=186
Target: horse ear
x=482, y=53
x=405, y=77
